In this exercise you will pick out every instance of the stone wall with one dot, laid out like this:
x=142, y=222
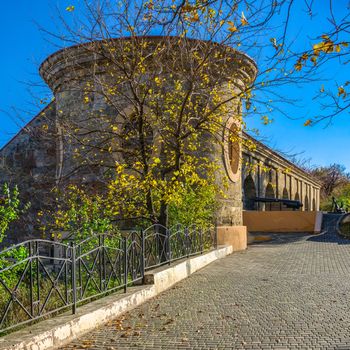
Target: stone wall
x=29, y=160
x=267, y=174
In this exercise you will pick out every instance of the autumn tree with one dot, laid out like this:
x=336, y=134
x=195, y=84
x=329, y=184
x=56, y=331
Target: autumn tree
x=142, y=123
x=146, y=112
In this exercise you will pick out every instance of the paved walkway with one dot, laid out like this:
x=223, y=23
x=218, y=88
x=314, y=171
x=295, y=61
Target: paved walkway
x=290, y=293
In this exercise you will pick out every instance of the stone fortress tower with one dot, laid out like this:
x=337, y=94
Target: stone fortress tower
x=69, y=72
x=44, y=153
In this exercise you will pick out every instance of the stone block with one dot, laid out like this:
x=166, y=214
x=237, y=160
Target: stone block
x=236, y=236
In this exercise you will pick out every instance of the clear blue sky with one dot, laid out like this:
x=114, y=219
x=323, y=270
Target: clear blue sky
x=24, y=47
x=329, y=141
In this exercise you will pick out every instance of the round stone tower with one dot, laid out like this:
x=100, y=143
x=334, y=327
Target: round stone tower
x=81, y=75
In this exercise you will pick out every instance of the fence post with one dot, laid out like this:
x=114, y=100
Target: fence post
x=31, y=279
x=37, y=248
x=100, y=251
x=201, y=240
x=168, y=246
x=104, y=260
x=187, y=242
x=125, y=263
x=74, y=281
x=158, y=244
x=216, y=235
x=143, y=256
x=132, y=259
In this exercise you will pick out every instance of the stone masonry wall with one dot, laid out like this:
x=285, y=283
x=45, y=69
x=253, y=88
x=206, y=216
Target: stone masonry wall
x=29, y=161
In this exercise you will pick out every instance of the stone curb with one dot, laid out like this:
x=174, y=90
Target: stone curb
x=58, y=331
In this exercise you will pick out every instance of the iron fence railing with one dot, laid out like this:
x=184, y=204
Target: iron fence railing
x=163, y=245
x=39, y=278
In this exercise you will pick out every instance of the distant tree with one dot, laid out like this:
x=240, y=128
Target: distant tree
x=332, y=177
x=344, y=196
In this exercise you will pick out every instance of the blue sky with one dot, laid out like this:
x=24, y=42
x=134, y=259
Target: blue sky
x=24, y=47
x=329, y=141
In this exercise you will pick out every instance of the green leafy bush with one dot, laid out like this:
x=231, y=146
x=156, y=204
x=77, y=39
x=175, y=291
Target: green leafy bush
x=80, y=214
x=194, y=206
x=10, y=208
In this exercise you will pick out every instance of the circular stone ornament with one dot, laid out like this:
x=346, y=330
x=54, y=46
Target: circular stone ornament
x=232, y=149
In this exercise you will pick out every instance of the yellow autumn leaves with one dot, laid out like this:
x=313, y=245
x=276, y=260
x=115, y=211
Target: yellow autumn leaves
x=231, y=25
x=326, y=46
x=193, y=13
x=341, y=92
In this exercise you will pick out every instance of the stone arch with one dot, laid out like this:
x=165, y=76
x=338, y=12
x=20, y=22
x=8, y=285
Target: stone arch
x=249, y=193
x=285, y=194
x=297, y=198
x=270, y=193
x=306, y=203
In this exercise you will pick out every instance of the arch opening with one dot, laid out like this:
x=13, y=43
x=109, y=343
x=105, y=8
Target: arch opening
x=297, y=198
x=270, y=193
x=306, y=203
x=249, y=193
x=285, y=194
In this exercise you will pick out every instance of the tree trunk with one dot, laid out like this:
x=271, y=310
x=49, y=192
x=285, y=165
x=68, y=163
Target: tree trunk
x=163, y=243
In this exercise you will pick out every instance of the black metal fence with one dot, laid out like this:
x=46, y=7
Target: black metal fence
x=39, y=278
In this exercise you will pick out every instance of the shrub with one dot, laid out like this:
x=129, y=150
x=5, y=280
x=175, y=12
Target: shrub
x=80, y=214
x=10, y=209
x=194, y=205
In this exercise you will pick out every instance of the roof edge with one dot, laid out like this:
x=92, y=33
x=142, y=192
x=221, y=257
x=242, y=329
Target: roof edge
x=276, y=153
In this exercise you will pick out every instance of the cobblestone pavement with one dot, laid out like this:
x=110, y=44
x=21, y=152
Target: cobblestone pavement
x=290, y=293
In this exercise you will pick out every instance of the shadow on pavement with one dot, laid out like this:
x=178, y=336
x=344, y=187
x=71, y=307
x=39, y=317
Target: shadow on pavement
x=279, y=238
x=329, y=226
x=331, y=236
